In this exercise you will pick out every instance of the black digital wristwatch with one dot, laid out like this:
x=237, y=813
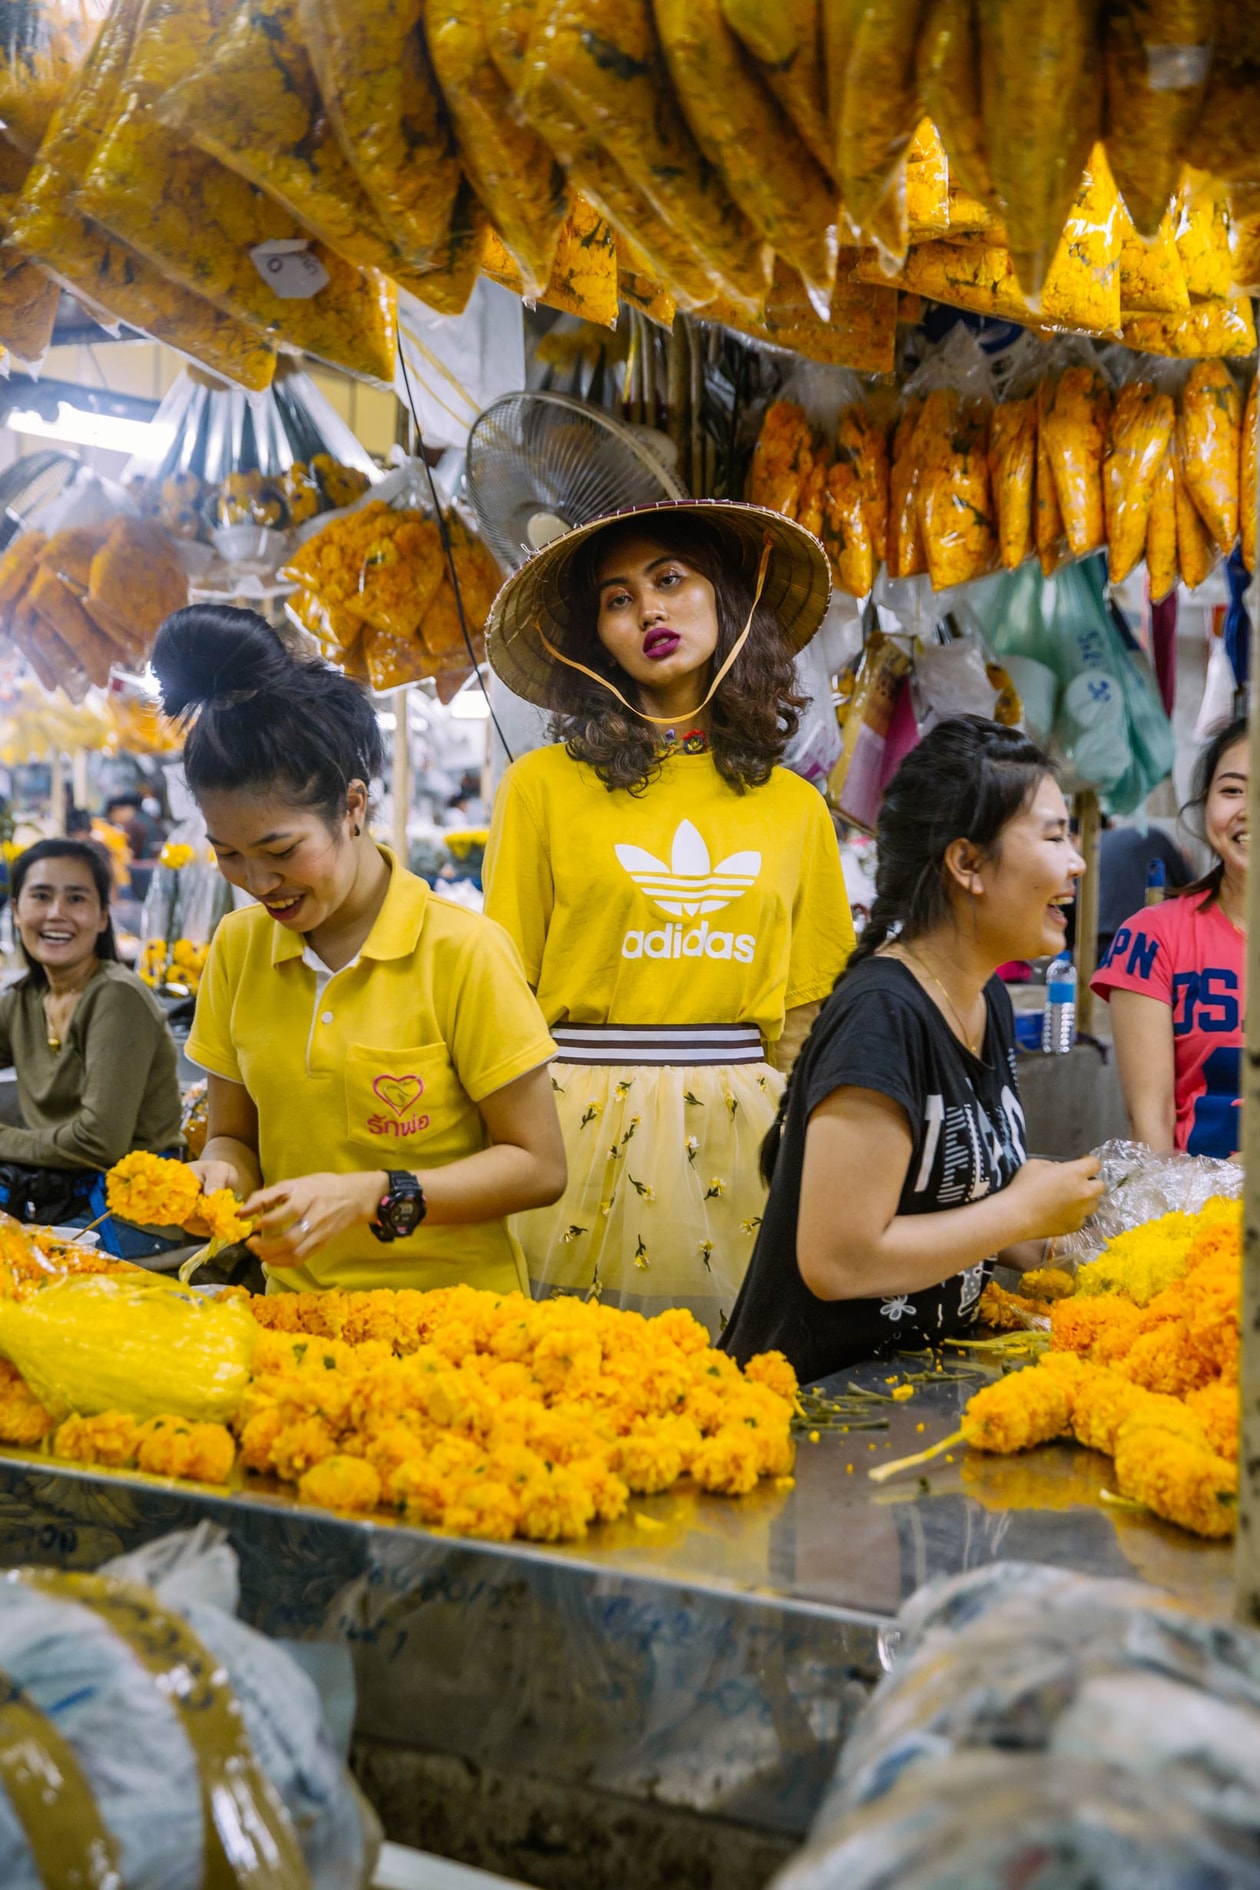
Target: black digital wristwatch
x=401, y=1209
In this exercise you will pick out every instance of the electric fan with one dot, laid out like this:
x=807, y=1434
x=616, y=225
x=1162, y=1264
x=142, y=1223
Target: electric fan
x=539, y=464
x=28, y=485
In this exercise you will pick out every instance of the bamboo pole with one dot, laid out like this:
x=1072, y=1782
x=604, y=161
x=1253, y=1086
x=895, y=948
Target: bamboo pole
x=1089, y=829
x=79, y=776
x=1247, y=1553
x=57, y=794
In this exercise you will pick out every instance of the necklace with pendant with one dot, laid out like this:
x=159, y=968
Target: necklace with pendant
x=974, y=1048
x=694, y=742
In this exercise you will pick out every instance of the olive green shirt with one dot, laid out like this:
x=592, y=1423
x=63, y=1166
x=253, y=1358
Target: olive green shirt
x=111, y=1088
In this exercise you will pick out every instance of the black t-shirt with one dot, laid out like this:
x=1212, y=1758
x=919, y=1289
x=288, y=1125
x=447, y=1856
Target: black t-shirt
x=879, y=1030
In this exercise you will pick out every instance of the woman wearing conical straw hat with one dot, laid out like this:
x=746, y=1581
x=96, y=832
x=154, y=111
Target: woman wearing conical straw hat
x=675, y=893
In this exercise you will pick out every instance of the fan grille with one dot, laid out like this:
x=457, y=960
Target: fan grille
x=542, y=463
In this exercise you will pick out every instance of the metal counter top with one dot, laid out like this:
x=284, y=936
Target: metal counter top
x=704, y=1652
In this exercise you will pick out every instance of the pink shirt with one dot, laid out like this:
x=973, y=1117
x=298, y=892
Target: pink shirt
x=1186, y=954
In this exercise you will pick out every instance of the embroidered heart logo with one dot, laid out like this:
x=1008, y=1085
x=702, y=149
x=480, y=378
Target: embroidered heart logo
x=399, y=1092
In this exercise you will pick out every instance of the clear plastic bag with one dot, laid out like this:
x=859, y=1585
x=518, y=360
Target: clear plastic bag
x=905, y=538
x=785, y=37
x=376, y=79
x=1209, y=440
x=1157, y=56
x=185, y=1734
x=1082, y=287
x=1152, y=281
x=1141, y=1186
x=879, y=115
x=1247, y=473
x=1111, y=723
x=1212, y=330
x=1074, y=425
x=1197, y=551
x=735, y=120
x=610, y=73
x=43, y=44
x=1041, y=106
x=1162, y=568
x=1141, y=431
x=514, y=173
x=953, y=496
x=212, y=231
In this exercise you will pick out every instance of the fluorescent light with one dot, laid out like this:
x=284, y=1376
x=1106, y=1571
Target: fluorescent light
x=109, y=431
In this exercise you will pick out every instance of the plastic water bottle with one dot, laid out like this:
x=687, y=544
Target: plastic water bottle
x=1156, y=883
x=1058, y=1020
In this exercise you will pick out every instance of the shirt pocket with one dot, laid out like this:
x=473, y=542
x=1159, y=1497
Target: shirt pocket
x=408, y=1103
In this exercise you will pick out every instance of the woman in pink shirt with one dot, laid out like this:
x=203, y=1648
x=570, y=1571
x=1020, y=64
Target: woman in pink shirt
x=1175, y=978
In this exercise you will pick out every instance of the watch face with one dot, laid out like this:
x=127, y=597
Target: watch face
x=402, y=1210
x=405, y=1215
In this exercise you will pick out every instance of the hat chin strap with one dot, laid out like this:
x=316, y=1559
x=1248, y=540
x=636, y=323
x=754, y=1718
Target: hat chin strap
x=668, y=721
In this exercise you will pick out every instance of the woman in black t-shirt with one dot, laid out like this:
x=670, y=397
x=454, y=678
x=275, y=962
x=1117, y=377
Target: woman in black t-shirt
x=898, y=1165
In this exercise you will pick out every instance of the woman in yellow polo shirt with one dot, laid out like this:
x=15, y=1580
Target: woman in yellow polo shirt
x=378, y=1089
x=676, y=895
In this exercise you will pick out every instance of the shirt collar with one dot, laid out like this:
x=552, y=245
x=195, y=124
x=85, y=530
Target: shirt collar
x=395, y=930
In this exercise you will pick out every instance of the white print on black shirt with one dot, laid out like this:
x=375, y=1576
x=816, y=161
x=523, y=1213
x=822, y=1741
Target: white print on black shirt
x=975, y=1152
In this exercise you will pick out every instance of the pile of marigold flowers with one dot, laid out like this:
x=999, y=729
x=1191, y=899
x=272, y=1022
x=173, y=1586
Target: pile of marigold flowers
x=497, y=1417
x=459, y=1410
x=1142, y=1365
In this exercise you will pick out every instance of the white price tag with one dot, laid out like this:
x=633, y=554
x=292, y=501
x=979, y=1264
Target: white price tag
x=287, y=266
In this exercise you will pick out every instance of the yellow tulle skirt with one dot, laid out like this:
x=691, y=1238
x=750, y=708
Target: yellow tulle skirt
x=664, y=1197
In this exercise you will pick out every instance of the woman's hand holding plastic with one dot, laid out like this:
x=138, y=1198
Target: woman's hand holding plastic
x=1056, y=1197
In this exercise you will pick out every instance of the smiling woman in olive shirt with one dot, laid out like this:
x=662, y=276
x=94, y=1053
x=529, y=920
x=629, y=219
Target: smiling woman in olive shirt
x=95, y=1062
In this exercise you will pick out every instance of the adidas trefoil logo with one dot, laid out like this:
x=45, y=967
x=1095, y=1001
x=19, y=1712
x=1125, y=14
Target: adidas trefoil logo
x=690, y=884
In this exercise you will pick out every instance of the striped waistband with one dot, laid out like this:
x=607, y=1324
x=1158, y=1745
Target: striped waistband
x=659, y=1044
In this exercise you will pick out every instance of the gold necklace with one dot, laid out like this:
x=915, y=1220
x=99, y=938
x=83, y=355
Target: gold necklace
x=54, y=1043
x=962, y=1028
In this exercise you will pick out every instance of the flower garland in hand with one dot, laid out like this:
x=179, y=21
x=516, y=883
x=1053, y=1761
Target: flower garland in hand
x=154, y=1191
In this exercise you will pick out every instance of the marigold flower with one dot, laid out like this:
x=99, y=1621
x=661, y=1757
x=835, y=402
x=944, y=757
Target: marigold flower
x=219, y=1210
x=728, y=1462
x=109, y=1438
x=1026, y=1408
x=299, y=1447
x=173, y=1447
x=1216, y=1407
x=1184, y=1482
x=151, y=1191
x=23, y=1419
x=1048, y=1283
x=344, y=1483
x=773, y=1370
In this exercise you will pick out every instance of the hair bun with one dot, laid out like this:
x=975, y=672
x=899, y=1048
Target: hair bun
x=213, y=650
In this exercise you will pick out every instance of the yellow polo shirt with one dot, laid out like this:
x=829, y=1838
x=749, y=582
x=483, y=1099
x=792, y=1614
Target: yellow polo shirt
x=383, y=1068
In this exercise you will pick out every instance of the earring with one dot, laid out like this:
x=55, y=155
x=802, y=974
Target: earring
x=355, y=831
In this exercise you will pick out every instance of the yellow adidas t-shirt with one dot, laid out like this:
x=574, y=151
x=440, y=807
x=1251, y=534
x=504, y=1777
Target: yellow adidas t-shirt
x=688, y=904
x=385, y=1071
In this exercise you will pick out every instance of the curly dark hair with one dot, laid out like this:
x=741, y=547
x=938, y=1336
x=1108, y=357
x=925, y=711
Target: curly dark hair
x=755, y=712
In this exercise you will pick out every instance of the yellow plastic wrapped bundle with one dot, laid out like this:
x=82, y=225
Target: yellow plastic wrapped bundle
x=376, y=80
x=785, y=37
x=1245, y=241
x=1142, y=423
x=255, y=106
x=583, y=279
x=1209, y=441
x=1151, y=277
x=976, y=277
x=1048, y=530
x=879, y=113
x=145, y=1345
x=28, y=308
x=782, y=459
x=380, y=564
x=1082, y=286
x=846, y=530
x=1162, y=570
x=861, y=442
x=1012, y=466
x=860, y=333
x=1041, y=101
x=43, y=44
x=949, y=88
x=1156, y=58
x=1210, y=331
x=638, y=285
x=393, y=660
x=813, y=495
x=611, y=75
x=1075, y=431
x=953, y=496
x=927, y=183
x=206, y=227
x=479, y=579
x=513, y=171
x=201, y=224
x=1247, y=477
x=905, y=555
x=1202, y=235
x=1197, y=554
x=98, y=268
x=736, y=122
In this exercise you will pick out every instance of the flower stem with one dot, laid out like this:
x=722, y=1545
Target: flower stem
x=886, y=1470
